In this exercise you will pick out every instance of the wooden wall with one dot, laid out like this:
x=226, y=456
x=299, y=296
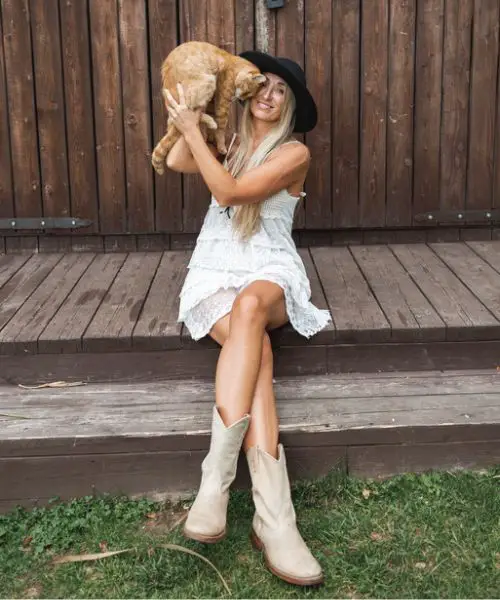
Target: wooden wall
x=408, y=95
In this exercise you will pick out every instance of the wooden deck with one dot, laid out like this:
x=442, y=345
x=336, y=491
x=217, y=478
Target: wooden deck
x=149, y=439
x=103, y=317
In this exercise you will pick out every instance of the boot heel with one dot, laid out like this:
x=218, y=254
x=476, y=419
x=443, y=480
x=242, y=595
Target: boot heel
x=256, y=543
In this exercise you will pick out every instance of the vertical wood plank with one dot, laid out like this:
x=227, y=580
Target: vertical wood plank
x=163, y=37
x=108, y=115
x=79, y=111
x=456, y=77
x=496, y=184
x=345, y=112
x=484, y=72
x=400, y=118
x=372, y=180
x=221, y=32
x=221, y=25
x=318, y=67
x=244, y=25
x=50, y=106
x=6, y=190
x=428, y=82
x=290, y=42
x=134, y=73
x=265, y=28
x=20, y=96
x=194, y=26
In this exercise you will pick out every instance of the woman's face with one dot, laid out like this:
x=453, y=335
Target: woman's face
x=267, y=104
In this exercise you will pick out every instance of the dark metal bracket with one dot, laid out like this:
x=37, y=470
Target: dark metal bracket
x=275, y=3
x=441, y=217
x=44, y=223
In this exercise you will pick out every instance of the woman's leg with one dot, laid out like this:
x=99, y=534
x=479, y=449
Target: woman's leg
x=263, y=429
x=244, y=383
x=206, y=521
x=244, y=379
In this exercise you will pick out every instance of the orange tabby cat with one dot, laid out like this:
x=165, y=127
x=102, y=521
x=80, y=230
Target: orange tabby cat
x=205, y=72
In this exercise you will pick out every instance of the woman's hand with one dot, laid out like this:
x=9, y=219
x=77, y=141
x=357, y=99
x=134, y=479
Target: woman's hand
x=184, y=119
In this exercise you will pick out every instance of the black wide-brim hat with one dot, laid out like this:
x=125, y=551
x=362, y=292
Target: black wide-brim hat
x=306, y=114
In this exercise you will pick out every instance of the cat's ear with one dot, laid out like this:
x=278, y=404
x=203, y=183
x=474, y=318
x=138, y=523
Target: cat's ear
x=259, y=78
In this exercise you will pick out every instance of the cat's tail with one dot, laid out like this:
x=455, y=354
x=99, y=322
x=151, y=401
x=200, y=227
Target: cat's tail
x=163, y=147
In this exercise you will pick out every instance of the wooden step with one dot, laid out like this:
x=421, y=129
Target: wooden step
x=149, y=439
x=113, y=317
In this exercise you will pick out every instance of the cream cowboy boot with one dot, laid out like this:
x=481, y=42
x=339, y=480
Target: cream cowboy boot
x=274, y=530
x=206, y=520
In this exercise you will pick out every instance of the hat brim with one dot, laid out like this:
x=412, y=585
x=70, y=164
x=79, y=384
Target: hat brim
x=306, y=115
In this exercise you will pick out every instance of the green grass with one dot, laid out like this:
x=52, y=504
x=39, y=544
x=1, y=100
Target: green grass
x=427, y=536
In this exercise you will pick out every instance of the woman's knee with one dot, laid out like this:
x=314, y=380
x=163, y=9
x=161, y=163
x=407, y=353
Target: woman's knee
x=249, y=309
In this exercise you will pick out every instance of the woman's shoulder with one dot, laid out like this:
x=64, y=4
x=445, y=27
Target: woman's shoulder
x=293, y=148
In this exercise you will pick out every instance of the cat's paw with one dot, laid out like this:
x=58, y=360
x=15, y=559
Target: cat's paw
x=208, y=120
x=220, y=140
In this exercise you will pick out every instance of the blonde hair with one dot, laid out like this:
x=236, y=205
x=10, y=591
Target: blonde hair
x=246, y=218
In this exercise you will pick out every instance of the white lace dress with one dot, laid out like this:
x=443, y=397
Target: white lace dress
x=222, y=265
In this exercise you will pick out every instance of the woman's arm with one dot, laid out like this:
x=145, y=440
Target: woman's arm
x=180, y=158
x=288, y=165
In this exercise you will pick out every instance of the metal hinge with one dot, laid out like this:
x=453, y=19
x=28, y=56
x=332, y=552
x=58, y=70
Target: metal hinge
x=44, y=223
x=478, y=217
x=275, y=3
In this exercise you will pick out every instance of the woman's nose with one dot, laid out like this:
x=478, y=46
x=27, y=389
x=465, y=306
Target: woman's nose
x=267, y=92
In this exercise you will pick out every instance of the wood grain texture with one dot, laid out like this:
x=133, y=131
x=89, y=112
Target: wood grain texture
x=196, y=197
x=108, y=116
x=346, y=15
x=380, y=462
x=50, y=106
x=428, y=87
x=134, y=74
x=21, y=333
x=265, y=28
x=489, y=251
x=114, y=321
x=456, y=79
x=75, y=38
x=9, y=265
x=411, y=316
x=474, y=272
x=157, y=327
x=244, y=20
x=374, y=425
x=496, y=183
x=373, y=118
x=326, y=404
x=454, y=302
x=483, y=104
x=318, y=27
x=163, y=37
x=200, y=363
x=65, y=330
x=6, y=188
x=22, y=285
x=21, y=101
x=401, y=74
x=290, y=42
x=355, y=311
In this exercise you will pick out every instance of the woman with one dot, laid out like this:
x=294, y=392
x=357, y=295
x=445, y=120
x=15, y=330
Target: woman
x=245, y=278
